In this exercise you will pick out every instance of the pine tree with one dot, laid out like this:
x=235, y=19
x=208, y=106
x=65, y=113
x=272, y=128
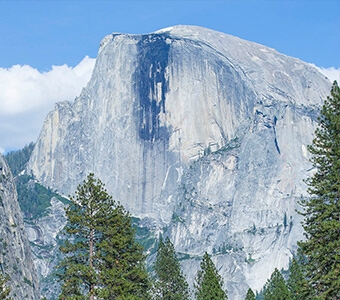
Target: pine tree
x=209, y=284
x=250, y=295
x=4, y=290
x=123, y=274
x=275, y=288
x=322, y=210
x=101, y=256
x=298, y=287
x=170, y=284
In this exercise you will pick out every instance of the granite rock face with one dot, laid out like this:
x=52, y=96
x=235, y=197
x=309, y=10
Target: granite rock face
x=15, y=253
x=201, y=132
x=44, y=237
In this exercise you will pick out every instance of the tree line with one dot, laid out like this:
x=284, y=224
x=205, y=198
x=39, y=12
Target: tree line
x=17, y=160
x=104, y=261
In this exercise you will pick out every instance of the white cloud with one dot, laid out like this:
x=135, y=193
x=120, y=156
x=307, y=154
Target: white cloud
x=27, y=95
x=331, y=73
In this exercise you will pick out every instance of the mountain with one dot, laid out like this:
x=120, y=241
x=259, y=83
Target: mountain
x=200, y=134
x=15, y=253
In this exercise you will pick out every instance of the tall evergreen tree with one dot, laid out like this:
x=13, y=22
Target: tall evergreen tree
x=299, y=288
x=4, y=290
x=209, y=284
x=275, y=288
x=250, y=295
x=123, y=274
x=102, y=258
x=322, y=210
x=170, y=284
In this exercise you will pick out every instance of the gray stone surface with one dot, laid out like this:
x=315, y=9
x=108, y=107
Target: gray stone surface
x=15, y=253
x=202, y=132
x=44, y=238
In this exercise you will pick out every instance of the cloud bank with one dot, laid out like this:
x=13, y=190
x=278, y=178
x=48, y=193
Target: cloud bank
x=27, y=95
x=331, y=73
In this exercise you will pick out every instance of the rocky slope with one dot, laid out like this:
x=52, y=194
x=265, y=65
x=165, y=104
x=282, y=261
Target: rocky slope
x=15, y=253
x=200, y=133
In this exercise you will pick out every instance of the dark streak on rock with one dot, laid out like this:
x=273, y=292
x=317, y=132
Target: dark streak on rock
x=153, y=53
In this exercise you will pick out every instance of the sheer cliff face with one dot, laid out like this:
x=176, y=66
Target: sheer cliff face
x=15, y=253
x=201, y=131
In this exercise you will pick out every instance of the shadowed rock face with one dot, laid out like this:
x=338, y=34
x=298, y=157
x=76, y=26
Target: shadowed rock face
x=15, y=253
x=201, y=132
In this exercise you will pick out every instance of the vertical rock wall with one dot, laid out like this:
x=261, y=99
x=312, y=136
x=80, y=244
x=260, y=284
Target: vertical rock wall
x=204, y=134
x=15, y=253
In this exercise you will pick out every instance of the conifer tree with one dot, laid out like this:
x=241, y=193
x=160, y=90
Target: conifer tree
x=101, y=256
x=322, y=210
x=170, y=283
x=4, y=290
x=275, y=288
x=123, y=274
x=209, y=284
x=298, y=287
x=250, y=295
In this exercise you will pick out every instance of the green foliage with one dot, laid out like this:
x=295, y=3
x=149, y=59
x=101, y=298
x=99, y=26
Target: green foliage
x=27, y=281
x=322, y=210
x=249, y=259
x=170, y=284
x=102, y=258
x=209, y=284
x=259, y=295
x=226, y=247
x=4, y=290
x=275, y=288
x=298, y=287
x=144, y=236
x=176, y=218
x=250, y=295
x=34, y=198
x=17, y=160
x=123, y=274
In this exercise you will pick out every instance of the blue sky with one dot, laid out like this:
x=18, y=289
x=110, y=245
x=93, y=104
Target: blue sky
x=42, y=33
x=66, y=35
